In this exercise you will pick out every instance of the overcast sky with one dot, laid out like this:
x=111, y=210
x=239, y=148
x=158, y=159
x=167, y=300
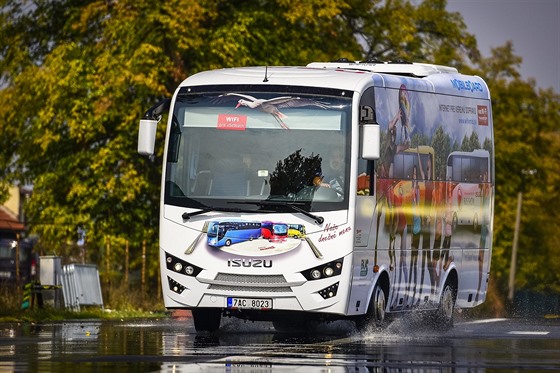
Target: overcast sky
x=532, y=25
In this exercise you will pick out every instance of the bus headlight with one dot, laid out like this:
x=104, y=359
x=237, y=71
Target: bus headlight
x=180, y=266
x=189, y=270
x=316, y=274
x=330, y=269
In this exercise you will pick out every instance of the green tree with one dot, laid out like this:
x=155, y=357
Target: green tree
x=527, y=137
x=77, y=75
x=441, y=142
x=397, y=29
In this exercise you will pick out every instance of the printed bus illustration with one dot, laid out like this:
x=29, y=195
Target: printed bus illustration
x=468, y=173
x=412, y=179
x=296, y=230
x=274, y=232
x=226, y=233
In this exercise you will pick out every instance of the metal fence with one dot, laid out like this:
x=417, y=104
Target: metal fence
x=81, y=286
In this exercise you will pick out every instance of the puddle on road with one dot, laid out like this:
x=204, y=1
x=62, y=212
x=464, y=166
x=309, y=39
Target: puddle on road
x=173, y=345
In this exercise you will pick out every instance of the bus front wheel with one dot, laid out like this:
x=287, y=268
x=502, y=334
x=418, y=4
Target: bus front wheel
x=375, y=315
x=207, y=319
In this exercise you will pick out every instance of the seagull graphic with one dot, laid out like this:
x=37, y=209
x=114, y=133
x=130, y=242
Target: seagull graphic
x=272, y=105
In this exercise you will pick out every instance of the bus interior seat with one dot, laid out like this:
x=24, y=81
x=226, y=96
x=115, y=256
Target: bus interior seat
x=203, y=183
x=230, y=178
x=229, y=183
x=264, y=187
x=258, y=186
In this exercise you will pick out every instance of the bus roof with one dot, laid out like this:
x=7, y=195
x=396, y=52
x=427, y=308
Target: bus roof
x=350, y=76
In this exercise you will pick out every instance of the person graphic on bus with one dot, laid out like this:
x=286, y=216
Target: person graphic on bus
x=485, y=194
x=416, y=232
x=402, y=231
x=427, y=218
x=446, y=257
x=439, y=218
x=385, y=184
x=384, y=203
x=391, y=147
x=404, y=109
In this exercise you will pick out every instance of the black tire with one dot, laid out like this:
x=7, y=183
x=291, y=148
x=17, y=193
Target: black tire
x=443, y=316
x=207, y=319
x=375, y=315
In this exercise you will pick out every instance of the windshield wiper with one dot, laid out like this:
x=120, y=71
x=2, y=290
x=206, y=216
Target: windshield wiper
x=187, y=215
x=292, y=205
x=205, y=209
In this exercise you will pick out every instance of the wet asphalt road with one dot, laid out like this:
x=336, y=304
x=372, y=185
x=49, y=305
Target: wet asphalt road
x=172, y=345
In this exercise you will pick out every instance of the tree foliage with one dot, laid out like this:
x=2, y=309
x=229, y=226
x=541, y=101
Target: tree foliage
x=78, y=74
x=527, y=137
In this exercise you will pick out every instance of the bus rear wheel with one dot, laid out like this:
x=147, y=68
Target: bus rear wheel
x=207, y=319
x=375, y=315
x=443, y=317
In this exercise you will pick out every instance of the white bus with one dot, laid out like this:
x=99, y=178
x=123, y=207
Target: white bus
x=315, y=147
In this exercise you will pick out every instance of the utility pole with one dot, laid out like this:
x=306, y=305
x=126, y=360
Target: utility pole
x=513, y=264
x=17, y=260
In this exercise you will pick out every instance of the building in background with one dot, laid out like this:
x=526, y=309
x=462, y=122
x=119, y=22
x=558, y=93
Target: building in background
x=14, y=242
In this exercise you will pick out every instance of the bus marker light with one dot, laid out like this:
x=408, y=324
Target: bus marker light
x=175, y=286
x=329, y=292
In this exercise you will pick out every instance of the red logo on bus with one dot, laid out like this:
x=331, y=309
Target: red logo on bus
x=482, y=112
x=232, y=122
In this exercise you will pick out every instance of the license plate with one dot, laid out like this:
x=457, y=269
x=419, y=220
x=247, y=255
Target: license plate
x=249, y=303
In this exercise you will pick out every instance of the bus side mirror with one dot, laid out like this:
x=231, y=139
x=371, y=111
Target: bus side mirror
x=147, y=136
x=148, y=126
x=370, y=137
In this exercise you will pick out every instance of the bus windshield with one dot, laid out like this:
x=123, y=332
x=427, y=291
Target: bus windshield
x=241, y=145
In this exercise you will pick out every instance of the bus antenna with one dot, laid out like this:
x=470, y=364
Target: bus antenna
x=265, y=73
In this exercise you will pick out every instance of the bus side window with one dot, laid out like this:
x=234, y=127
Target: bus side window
x=364, y=178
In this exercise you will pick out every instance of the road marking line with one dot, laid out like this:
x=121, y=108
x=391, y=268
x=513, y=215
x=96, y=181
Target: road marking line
x=484, y=321
x=527, y=333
